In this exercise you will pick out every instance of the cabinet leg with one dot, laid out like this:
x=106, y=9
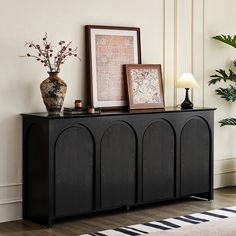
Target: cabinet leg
x=127, y=208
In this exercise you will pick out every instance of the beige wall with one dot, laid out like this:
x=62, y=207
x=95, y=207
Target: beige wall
x=219, y=17
x=175, y=33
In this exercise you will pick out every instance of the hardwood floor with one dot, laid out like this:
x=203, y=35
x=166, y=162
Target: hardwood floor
x=75, y=226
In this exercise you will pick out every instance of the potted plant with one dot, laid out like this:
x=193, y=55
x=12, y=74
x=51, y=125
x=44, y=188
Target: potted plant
x=53, y=89
x=228, y=93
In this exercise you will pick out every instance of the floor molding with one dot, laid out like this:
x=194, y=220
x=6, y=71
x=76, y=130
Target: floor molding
x=10, y=185
x=4, y=202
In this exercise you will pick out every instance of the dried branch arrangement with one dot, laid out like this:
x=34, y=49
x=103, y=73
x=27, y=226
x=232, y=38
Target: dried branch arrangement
x=47, y=55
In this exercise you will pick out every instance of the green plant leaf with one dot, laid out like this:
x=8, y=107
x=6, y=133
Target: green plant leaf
x=222, y=75
x=229, y=94
x=234, y=62
x=227, y=121
x=227, y=39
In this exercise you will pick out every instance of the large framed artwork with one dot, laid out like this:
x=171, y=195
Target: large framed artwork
x=144, y=86
x=108, y=49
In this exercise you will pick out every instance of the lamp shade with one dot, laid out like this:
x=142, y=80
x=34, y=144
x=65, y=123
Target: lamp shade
x=186, y=80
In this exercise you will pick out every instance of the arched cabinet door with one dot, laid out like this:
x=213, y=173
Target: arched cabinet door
x=118, y=164
x=195, y=157
x=74, y=164
x=158, y=161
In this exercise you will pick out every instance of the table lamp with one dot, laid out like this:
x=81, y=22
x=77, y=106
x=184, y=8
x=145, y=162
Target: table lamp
x=187, y=81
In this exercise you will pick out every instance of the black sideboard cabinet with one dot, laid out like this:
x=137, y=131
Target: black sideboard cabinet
x=78, y=164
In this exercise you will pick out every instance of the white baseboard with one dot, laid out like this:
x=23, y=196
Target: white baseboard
x=225, y=172
x=10, y=202
x=10, y=193
x=10, y=212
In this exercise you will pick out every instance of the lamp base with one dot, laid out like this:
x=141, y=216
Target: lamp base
x=186, y=104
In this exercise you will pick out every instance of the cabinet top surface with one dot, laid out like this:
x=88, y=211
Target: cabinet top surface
x=117, y=112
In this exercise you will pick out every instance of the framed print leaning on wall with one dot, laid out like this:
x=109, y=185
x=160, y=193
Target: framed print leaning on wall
x=144, y=85
x=108, y=48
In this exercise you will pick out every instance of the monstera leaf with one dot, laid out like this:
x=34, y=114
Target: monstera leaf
x=227, y=121
x=227, y=39
x=222, y=75
x=229, y=94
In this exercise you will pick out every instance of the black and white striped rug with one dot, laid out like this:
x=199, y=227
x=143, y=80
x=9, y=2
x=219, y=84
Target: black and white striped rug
x=169, y=223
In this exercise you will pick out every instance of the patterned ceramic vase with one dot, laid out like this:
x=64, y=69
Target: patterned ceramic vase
x=53, y=90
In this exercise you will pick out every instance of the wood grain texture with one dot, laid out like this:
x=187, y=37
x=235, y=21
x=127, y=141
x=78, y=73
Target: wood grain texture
x=195, y=158
x=158, y=162
x=118, y=166
x=74, y=226
x=74, y=163
x=105, y=162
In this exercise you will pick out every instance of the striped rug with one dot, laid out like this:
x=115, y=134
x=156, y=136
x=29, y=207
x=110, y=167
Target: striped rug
x=169, y=223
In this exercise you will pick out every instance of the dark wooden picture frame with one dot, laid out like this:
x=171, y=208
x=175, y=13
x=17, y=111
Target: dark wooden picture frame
x=115, y=46
x=144, y=86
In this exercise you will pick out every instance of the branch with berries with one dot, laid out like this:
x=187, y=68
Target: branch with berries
x=45, y=53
